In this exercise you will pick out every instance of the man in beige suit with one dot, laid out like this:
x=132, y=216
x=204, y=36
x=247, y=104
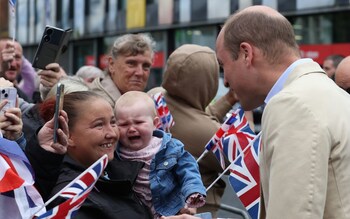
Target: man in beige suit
x=305, y=158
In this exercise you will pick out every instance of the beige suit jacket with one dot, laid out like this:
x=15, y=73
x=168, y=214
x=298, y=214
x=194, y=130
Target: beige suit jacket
x=305, y=159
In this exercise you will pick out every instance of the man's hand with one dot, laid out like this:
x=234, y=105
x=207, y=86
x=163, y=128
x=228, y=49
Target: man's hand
x=231, y=97
x=7, y=55
x=45, y=135
x=51, y=75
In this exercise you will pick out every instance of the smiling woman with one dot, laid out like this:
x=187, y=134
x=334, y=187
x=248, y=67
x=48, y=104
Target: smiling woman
x=92, y=127
x=92, y=133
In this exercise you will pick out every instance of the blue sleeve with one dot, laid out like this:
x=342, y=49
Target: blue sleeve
x=188, y=173
x=21, y=141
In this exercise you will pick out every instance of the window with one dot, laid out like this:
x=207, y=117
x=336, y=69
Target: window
x=205, y=36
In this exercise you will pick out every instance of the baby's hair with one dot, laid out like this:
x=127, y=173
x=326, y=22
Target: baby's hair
x=132, y=97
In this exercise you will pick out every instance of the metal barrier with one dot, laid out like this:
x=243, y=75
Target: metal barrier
x=235, y=210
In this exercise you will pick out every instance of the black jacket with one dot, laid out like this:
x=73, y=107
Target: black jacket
x=110, y=199
x=32, y=121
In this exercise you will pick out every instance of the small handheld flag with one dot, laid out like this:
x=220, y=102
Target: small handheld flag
x=76, y=192
x=237, y=137
x=12, y=4
x=166, y=119
x=17, y=189
x=212, y=143
x=245, y=178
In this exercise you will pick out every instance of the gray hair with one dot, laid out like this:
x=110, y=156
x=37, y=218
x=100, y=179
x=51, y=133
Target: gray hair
x=133, y=44
x=71, y=84
x=88, y=71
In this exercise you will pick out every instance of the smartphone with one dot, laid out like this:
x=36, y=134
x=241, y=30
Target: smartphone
x=58, y=108
x=54, y=42
x=9, y=93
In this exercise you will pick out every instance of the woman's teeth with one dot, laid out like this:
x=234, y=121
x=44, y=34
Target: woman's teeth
x=107, y=145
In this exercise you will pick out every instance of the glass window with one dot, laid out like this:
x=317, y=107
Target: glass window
x=313, y=29
x=31, y=21
x=65, y=14
x=79, y=18
x=322, y=29
x=341, y=26
x=39, y=20
x=96, y=16
x=121, y=4
x=156, y=76
x=205, y=36
x=84, y=54
x=22, y=30
x=111, y=15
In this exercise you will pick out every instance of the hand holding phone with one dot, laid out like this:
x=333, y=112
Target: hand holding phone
x=53, y=43
x=58, y=108
x=9, y=94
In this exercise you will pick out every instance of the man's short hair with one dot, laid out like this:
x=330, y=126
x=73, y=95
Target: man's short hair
x=276, y=33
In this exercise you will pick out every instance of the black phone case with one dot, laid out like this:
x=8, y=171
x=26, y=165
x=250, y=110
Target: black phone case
x=53, y=43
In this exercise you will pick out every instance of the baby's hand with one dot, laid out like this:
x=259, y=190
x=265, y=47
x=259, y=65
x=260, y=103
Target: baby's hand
x=195, y=200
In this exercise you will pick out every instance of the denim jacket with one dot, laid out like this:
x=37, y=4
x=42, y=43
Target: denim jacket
x=174, y=176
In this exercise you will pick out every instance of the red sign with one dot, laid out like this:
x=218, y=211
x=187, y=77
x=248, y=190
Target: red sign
x=318, y=52
x=103, y=61
x=158, y=61
x=90, y=60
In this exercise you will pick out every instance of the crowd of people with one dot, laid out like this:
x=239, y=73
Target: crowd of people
x=305, y=155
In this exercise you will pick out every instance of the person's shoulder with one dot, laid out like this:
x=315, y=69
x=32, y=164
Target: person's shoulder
x=175, y=145
x=95, y=84
x=156, y=90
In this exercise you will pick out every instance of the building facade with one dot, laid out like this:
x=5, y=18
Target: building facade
x=321, y=26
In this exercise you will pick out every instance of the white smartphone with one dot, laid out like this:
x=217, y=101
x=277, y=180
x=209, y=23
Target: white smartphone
x=9, y=93
x=58, y=108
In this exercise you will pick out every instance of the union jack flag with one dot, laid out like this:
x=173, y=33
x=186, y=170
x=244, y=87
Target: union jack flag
x=238, y=137
x=245, y=178
x=12, y=172
x=17, y=189
x=13, y=5
x=76, y=192
x=166, y=119
x=213, y=145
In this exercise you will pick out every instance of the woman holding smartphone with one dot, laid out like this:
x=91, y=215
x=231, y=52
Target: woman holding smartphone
x=92, y=133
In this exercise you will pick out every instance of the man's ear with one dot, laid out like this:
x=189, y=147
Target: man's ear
x=247, y=50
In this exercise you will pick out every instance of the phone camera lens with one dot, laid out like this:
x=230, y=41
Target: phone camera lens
x=3, y=91
x=6, y=95
x=49, y=31
x=46, y=38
